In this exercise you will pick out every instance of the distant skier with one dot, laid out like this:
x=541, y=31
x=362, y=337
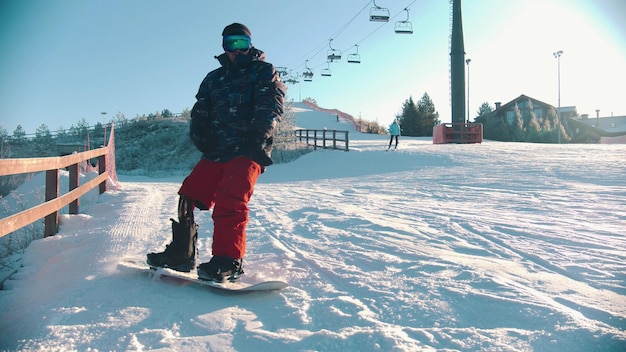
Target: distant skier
x=394, y=131
x=232, y=124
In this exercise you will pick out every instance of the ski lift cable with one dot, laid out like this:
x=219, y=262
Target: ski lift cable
x=319, y=48
x=313, y=53
x=381, y=26
x=372, y=32
x=340, y=30
x=323, y=45
x=334, y=36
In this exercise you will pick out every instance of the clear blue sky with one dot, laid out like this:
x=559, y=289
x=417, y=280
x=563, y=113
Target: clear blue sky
x=64, y=60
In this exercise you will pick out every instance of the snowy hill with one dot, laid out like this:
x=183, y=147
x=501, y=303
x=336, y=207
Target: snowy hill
x=497, y=246
x=314, y=120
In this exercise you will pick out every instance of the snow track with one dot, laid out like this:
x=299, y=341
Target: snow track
x=499, y=247
x=139, y=221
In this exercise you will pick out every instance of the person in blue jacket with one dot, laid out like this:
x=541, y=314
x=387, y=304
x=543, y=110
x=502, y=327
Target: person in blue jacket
x=394, y=131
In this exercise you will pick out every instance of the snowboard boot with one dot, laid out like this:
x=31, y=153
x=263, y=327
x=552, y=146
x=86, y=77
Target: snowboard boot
x=180, y=254
x=220, y=268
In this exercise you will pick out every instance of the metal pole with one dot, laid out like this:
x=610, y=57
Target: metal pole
x=457, y=70
x=468, y=89
x=557, y=55
x=104, y=126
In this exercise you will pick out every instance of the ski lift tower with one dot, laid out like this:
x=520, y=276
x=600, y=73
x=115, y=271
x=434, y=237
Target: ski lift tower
x=458, y=131
x=457, y=65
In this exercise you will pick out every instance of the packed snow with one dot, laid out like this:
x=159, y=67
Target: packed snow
x=492, y=246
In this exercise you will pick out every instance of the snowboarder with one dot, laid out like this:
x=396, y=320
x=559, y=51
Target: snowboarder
x=232, y=124
x=394, y=131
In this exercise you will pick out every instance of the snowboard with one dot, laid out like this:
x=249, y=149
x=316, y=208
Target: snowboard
x=177, y=277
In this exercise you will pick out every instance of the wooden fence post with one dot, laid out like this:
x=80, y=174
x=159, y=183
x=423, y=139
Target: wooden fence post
x=54, y=201
x=325, y=138
x=102, y=168
x=74, y=180
x=52, y=192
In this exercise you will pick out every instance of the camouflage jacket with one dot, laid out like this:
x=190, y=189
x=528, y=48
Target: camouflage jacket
x=236, y=110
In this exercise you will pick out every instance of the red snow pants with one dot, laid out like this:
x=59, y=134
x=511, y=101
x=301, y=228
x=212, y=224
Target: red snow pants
x=227, y=187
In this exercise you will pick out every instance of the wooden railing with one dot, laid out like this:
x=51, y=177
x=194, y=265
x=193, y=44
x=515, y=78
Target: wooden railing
x=326, y=139
x=53, y=201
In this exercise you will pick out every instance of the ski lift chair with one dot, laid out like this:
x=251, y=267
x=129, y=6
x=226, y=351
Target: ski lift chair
x=404, y=27
x=379, y=14
x=326, y=72
x=307, y=74
x=282, y=71
x=333, y=54
x=292, y=80
x=354, y=58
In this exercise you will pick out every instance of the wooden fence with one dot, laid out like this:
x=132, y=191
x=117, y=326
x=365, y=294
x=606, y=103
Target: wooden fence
x=326, y=139
x=53, y=201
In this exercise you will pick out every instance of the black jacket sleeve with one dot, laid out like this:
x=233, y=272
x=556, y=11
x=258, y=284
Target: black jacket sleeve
x=200, y=124
x=268, y=96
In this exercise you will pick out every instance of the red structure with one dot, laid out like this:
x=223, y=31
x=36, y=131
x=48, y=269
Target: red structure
x=458, y=133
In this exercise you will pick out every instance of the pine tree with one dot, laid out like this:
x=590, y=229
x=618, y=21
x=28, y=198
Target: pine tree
x=429, y=118
x=483, y=111
x=517, y=128
x=18, y=139
x=121, y=120
x=418, y=120
x=409, y=118
x=97, y=134
x=494, y=127
x=533, y=129
x=5, y=147
x=167, y=114
x=43, y=143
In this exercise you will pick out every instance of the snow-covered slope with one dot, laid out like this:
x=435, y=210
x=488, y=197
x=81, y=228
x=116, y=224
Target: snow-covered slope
x=497, y=246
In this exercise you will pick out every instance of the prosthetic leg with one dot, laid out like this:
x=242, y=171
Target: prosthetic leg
x=180, y=254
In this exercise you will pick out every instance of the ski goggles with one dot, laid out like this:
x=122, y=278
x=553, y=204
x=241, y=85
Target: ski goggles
x=236, y=42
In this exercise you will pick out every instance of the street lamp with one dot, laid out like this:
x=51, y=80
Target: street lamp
x=105, y=127
x=468, y=77
x=557, y=55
